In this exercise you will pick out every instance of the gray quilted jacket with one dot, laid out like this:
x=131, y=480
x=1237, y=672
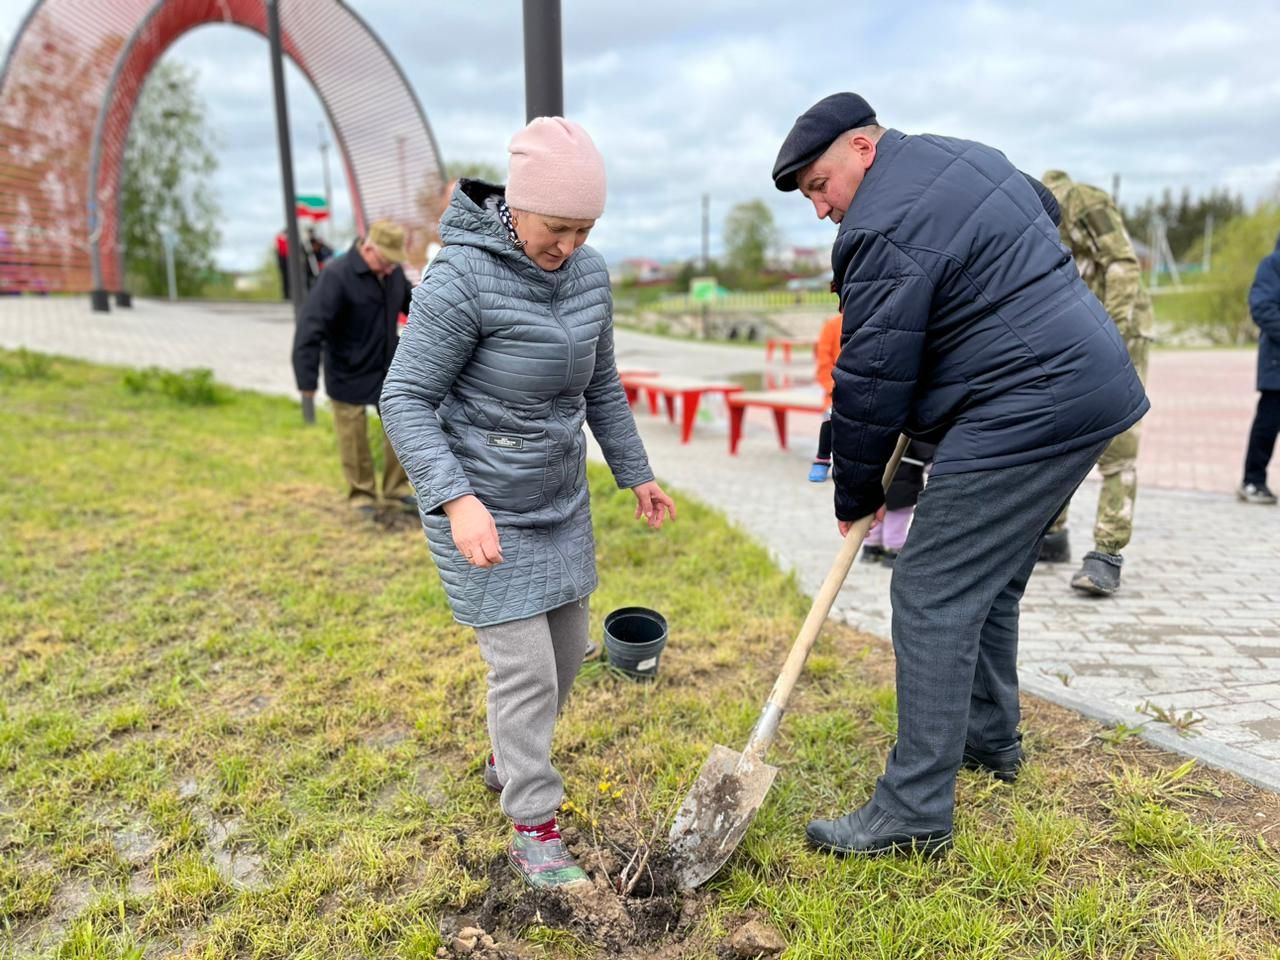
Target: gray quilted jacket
x=499, y=366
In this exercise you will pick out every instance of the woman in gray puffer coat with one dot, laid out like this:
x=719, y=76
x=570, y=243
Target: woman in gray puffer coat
x=508, y=350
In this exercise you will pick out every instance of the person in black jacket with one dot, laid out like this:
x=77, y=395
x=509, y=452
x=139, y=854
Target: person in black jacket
x=967, y=325
x=1264, y=306
x=351, y=316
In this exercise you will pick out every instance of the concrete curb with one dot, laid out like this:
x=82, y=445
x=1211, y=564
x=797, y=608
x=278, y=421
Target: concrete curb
x=1256, y=770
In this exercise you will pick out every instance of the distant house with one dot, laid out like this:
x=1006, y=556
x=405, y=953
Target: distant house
x=639, y=271
x=800, y=261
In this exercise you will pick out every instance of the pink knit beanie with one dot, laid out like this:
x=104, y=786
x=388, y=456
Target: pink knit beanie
x=555, y=170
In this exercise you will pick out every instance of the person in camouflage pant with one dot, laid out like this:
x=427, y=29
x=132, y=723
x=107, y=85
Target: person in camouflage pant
x=1093, y=230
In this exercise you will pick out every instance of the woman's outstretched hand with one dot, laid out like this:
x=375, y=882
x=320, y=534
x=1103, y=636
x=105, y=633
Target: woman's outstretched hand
x=651, y=502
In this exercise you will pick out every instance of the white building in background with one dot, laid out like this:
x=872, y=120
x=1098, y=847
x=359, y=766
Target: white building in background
x=639, y=270
x=802, y=260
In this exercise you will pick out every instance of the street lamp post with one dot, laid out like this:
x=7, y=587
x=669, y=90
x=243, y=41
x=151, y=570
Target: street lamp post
x=543, y=71
x=297, y=282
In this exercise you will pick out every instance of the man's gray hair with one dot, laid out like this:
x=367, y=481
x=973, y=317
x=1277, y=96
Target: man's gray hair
x=872, y=131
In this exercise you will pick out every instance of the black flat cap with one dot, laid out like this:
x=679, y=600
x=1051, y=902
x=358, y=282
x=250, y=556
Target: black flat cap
x=815, y=130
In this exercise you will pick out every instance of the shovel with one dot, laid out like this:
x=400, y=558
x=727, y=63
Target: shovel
x=731, y=787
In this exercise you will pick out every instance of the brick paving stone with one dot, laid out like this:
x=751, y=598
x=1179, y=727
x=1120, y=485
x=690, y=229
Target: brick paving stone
x=1197, y=621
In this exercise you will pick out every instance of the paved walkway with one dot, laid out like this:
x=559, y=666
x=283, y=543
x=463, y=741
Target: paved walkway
x=245, y=344
x=1196, y=627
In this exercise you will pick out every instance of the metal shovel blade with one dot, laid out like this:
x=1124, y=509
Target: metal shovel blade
x=717, y=812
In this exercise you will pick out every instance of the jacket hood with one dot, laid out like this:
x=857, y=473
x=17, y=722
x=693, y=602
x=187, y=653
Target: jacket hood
x=472, y=220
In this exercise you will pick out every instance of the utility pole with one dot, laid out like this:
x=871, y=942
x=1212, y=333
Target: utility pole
x=1161, y=253
x=1115, y=188
x=706, y=232
x=328, y=189
x=543, y=61
x=1167, y=253
x=1153, y=245
x=297, y=281
x=170, y=241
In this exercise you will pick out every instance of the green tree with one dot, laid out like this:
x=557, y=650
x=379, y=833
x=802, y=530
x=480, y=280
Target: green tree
x=1184, y=218
x=749, y=235
x=168, y=163
x=1236, y=251
x=473, y=170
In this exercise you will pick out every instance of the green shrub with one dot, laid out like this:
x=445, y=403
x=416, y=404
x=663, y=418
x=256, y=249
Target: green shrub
x=195, y=388
x=1219, y=306
x=27, y=366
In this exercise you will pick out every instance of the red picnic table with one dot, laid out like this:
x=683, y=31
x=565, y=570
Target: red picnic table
x=690, y=390
x=779, y=401
x=786, y=344
x=629, y=378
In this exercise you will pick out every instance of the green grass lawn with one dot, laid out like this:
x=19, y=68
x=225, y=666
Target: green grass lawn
x=237, y=721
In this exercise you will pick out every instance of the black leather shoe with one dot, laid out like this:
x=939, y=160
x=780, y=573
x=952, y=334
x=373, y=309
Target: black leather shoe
x=1001, y=764
x=1055, y=548
x=870, y=832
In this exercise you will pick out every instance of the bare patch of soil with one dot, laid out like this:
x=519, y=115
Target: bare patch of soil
x=654, y=921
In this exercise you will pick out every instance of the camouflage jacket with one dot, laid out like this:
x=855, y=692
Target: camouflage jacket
x=1093, y=230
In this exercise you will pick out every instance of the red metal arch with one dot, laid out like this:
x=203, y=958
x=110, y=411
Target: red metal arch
x=72, y=80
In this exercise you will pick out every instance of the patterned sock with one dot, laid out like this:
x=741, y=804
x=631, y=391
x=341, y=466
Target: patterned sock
x=542, y=832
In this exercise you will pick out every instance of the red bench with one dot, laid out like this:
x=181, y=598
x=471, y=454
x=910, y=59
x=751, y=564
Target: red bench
x=690, y=390
x=629, y=380
x=786, y=344
x=779, y=401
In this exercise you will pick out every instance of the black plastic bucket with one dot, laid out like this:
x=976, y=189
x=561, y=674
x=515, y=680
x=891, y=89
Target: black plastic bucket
x=633, y=641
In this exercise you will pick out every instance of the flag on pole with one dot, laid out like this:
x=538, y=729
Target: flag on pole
x=310, y=207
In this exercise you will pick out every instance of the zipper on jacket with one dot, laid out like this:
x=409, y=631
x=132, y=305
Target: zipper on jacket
x=568, y=376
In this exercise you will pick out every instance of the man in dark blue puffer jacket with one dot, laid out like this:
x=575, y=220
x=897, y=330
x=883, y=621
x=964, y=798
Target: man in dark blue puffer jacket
x=965, y=324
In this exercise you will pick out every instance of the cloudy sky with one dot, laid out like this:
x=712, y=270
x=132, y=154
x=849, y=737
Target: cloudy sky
x=691, y=97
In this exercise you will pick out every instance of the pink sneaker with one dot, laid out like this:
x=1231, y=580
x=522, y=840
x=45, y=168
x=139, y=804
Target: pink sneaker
x=541, y=858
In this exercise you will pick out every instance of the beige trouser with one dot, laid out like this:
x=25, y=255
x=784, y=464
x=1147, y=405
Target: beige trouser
x=357, y=458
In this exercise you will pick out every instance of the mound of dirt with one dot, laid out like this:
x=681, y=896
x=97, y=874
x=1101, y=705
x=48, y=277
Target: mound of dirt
x=652, y=921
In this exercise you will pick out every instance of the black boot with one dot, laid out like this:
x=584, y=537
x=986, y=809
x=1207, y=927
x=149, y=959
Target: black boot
x=1055, y=548
x=1099, y=575
x=870, y=832
x=1001, y=764
x=871, y=553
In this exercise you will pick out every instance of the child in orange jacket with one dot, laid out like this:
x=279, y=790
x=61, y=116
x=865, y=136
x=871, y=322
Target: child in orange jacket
x=824, y=354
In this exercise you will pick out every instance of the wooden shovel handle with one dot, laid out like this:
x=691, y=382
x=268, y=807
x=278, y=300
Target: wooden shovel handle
x=767, y=726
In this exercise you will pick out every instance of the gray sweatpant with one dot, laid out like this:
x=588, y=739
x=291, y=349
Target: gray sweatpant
x=955, y=592
x=532, y=666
